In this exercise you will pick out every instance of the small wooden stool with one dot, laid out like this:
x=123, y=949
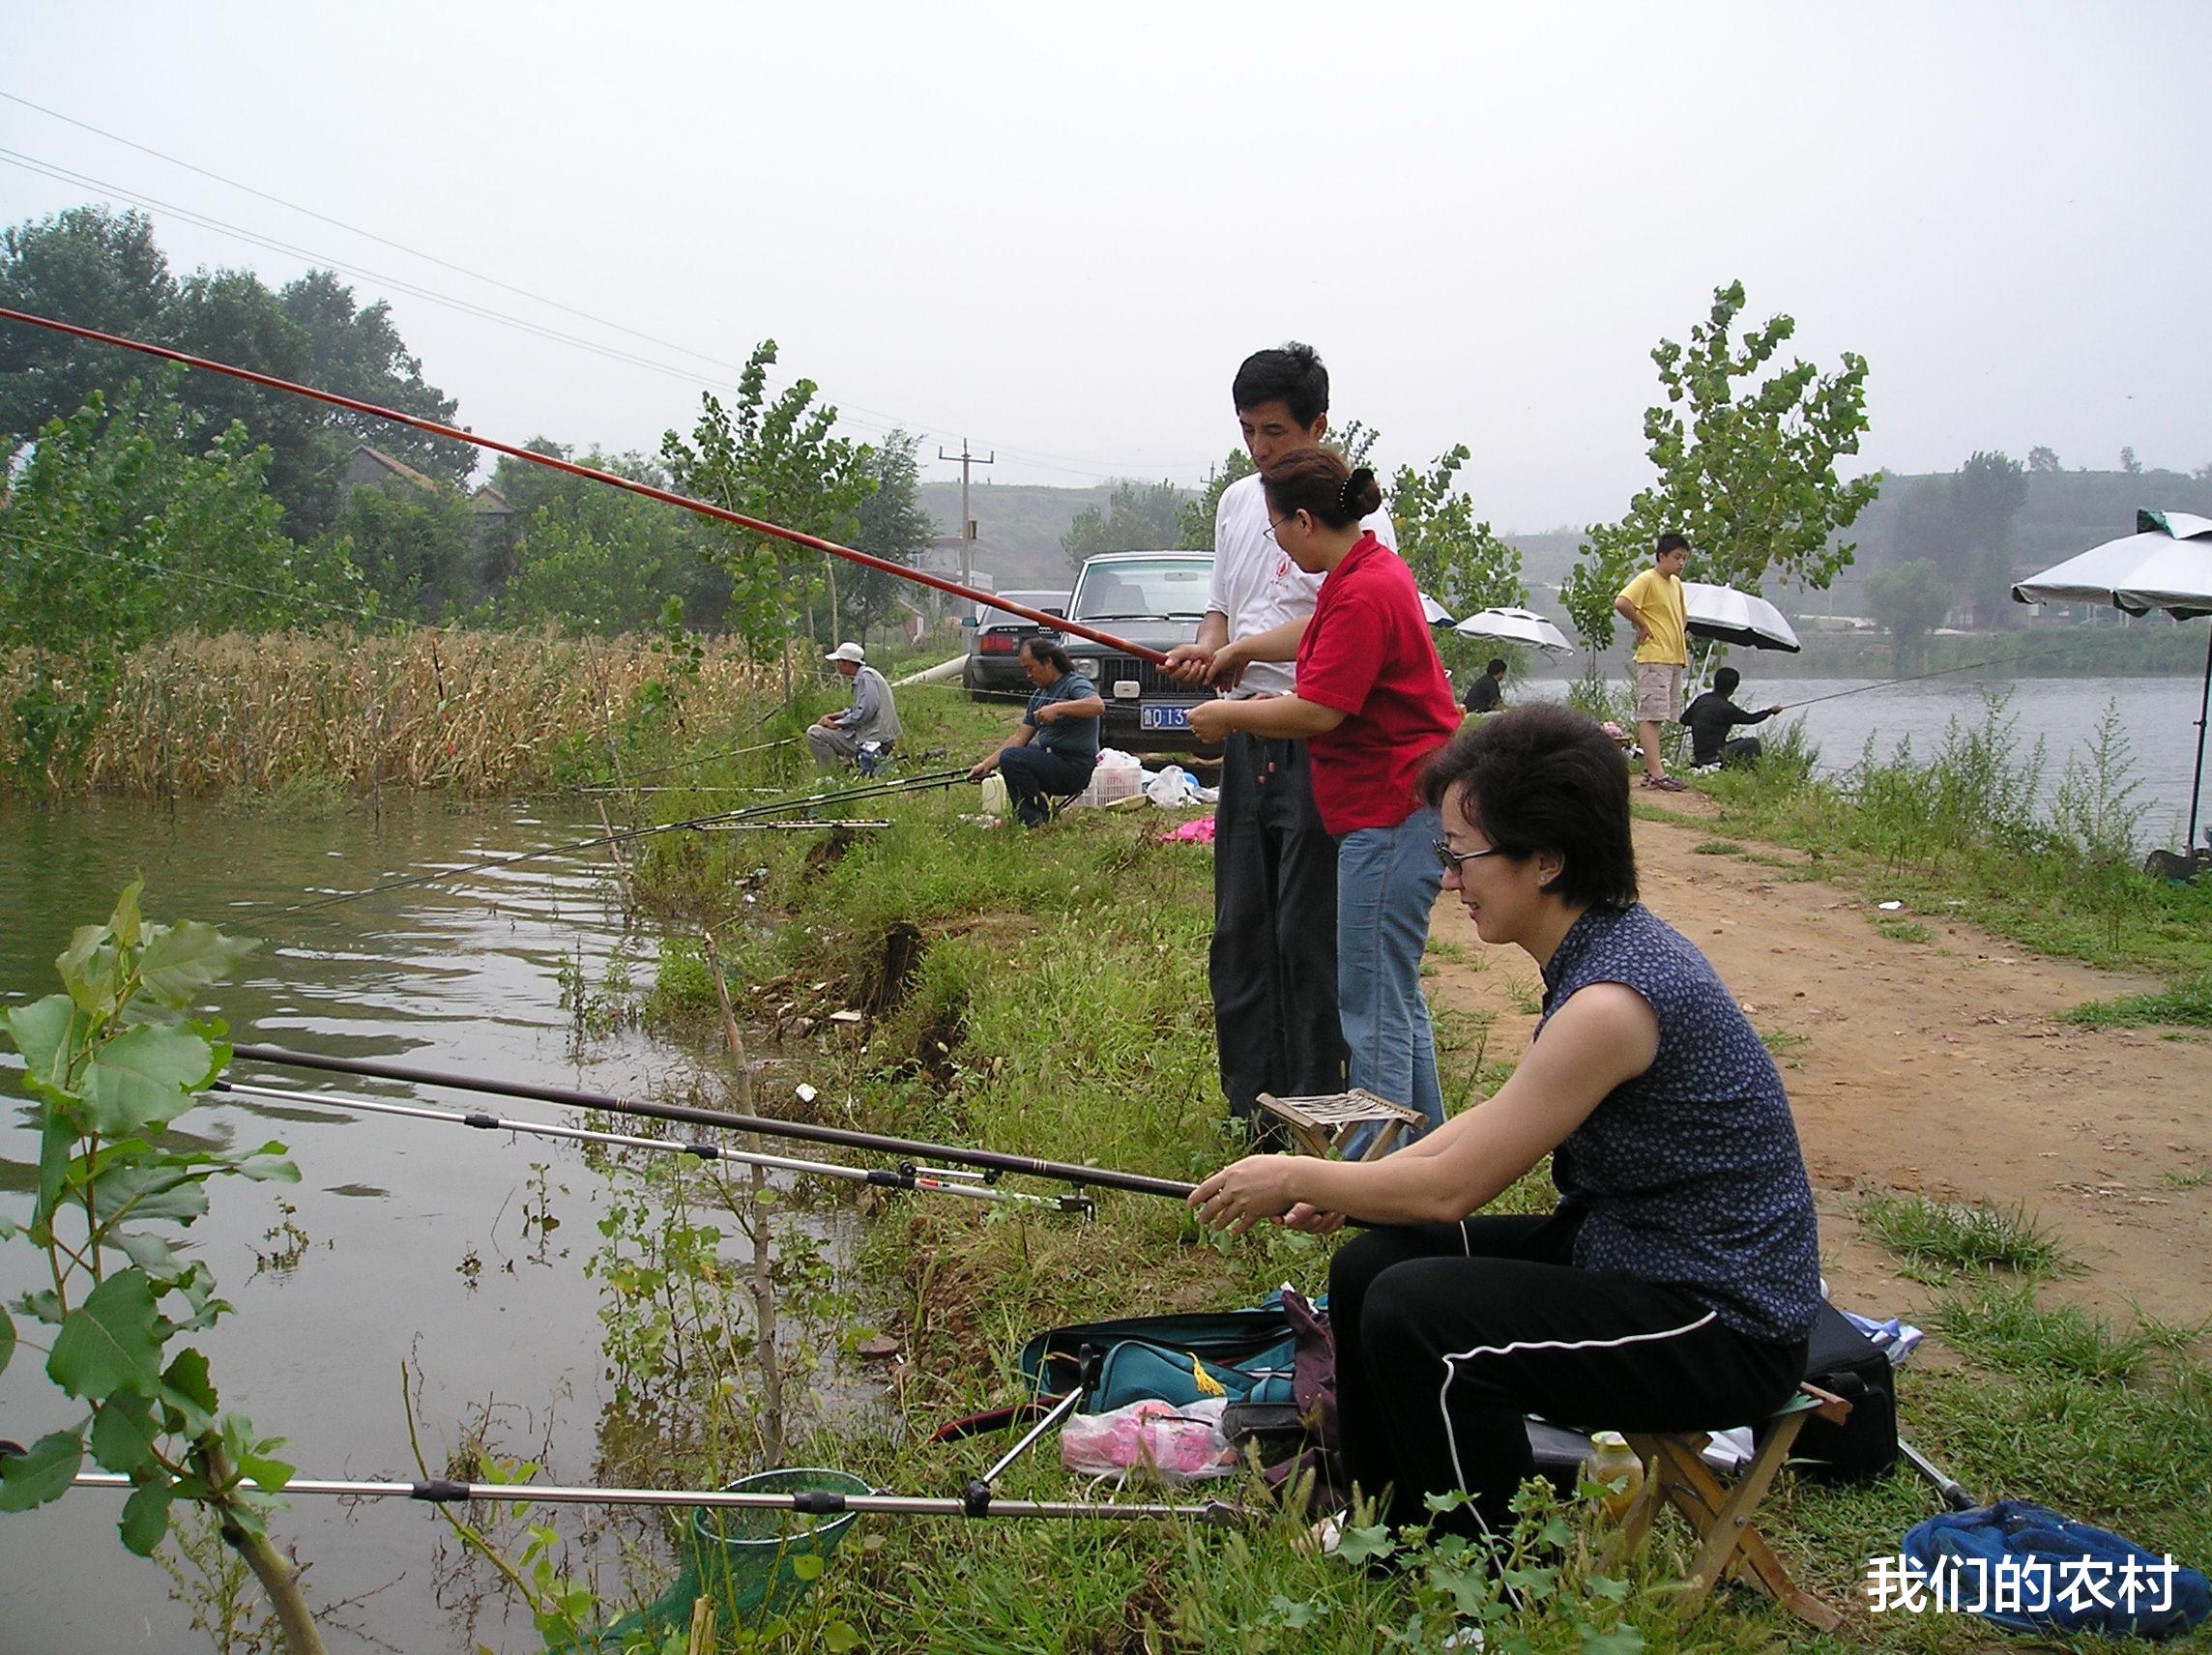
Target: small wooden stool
x=1319, y=1124
x=1721, y=1516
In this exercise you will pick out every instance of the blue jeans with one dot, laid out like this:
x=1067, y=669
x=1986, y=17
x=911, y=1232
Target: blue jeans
x=1386, y=884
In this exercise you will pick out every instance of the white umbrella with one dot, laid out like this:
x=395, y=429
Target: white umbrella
x=1514, y=626
x=1727, y=616
x=1435, y=613
x=2165, y=564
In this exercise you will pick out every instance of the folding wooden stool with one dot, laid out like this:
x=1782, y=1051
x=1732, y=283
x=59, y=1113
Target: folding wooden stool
x=1319, y=1124
x=1728, y=1544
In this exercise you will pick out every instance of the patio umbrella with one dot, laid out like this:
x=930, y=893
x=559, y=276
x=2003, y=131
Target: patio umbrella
x=1514, y=626
x=1436, y=614
x=2165, y=564
x=1727, y=616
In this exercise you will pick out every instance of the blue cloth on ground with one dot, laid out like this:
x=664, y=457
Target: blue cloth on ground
x=2067, y=1577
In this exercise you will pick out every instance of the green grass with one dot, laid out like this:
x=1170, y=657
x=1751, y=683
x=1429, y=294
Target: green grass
x=1780, y=1042
x=2003, y=1328
x=1950, y=1236
x=1716, y=847
x=2188, y=1005
x=1900, y=930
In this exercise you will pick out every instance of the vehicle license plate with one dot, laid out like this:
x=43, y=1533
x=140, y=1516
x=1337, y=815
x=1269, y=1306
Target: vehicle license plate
x=1155, y=715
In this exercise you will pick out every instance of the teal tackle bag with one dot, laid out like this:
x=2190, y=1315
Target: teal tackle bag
x=1245, y=1355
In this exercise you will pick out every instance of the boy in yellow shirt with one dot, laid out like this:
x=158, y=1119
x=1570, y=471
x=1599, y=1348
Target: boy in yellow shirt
x=1653, y=604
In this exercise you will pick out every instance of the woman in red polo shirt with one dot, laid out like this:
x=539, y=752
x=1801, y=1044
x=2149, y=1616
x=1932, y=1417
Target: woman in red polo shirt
x=1373, y=704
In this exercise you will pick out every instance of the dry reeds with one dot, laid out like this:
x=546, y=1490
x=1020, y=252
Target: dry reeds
x=476, y=713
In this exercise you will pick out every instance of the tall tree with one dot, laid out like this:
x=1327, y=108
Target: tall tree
x=1746, y=452
x=592, y=558
x=780, y=460
x=1986, y=496
x=1455, y=559
x=1194, y=523
x=91, y=266
x=357, y=352
x=2043, y=459
x=1139, y=517
x=893, y=525
x=1912, y=600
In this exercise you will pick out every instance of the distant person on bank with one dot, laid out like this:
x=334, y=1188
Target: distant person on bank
x=1487, y=693
x=837, y=737
x=1653, y=604
x=1055, y=745
x=1713, y=714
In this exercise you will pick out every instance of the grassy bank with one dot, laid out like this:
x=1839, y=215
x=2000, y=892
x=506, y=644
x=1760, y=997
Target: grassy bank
x=1046, y=993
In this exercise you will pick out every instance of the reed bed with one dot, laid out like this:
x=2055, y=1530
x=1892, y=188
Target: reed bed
x=474, y=713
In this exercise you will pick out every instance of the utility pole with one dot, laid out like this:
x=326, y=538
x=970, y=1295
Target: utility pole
x=967, y=523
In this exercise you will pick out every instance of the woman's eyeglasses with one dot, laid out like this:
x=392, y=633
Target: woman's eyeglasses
x=1450, y=861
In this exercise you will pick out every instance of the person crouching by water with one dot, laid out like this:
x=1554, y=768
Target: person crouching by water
x=1673, y=1285
x=872, y=720
x=1373, y=703
x=1712, y=715
x=1055, y=745
x=1487, y=693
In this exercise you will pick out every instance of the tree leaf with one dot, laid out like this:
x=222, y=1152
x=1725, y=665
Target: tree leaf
x=126, y=921
x=108, y=1344
x=42, y=1032
x=267, y=1165
x=124, y=1433
x=146, y=1517
x=149, y=1251
x=182, y=959
x=142, y=1080
x=7, y=1340
x=187, y=1388
x=91, y=968
x=42, y=1473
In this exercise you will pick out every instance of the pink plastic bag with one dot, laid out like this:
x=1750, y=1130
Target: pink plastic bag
x=1176, y=1444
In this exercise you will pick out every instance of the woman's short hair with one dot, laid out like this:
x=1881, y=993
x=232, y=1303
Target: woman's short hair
x=1051, y=653
x=1544, y=778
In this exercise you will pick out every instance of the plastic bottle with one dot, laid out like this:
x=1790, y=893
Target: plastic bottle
x=1611, y=1460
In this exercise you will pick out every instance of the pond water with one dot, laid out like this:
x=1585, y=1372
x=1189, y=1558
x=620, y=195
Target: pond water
x=2159, y=715
x=404, y=1243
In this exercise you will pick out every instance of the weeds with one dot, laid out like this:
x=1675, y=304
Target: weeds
x=1900, y=930
x=2188, y=1004
x=2002, y=1327
x=1969, y=1237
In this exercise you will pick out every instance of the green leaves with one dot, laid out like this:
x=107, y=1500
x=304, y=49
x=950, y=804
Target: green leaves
x=146, y=1516
x=42, y=1473
x=43, y=1031
x=111, y=1343
x=143, y=1079
x=7, y=1340
x=182, y=960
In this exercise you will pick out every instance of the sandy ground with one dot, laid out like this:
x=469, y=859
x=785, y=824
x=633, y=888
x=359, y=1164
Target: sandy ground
x=1936, y=1066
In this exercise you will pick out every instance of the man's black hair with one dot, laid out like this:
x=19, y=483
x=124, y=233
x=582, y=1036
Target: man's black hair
x=1539, y=777
x=1726, y=680
x=1671, y=542
x=1494, y=667
x=1051, y=653
x=1292, y=376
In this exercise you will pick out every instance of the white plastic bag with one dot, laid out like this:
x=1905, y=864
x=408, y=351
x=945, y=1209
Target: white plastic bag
x=1152, y=1438
x=1172, y=787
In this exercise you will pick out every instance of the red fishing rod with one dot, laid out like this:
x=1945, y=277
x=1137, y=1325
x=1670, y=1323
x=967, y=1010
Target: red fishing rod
x=753, y=525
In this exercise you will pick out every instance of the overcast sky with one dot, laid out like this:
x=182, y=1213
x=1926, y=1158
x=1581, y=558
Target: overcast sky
x=1056, y=230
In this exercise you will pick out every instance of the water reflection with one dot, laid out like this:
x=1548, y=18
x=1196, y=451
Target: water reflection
x=403, y=1242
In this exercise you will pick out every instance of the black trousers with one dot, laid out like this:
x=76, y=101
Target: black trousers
x=1273, y=969
x=1036, y=775
x=1448, y=1334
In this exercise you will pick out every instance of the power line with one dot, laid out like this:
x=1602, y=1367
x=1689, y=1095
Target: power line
x=1046, y=460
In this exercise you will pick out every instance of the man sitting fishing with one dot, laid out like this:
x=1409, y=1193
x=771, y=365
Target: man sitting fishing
x=1712, y=715
x=1055, y=745
x=861, y=734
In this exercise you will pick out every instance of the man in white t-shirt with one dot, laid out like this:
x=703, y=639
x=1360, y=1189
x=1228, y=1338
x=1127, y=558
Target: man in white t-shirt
x=1273, y=969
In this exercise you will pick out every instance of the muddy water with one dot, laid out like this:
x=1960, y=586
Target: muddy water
x=403, y=1244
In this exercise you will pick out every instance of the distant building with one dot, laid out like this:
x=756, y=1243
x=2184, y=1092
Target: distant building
x=371, y=468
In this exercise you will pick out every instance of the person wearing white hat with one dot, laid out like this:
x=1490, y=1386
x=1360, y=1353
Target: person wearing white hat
x=872, y=720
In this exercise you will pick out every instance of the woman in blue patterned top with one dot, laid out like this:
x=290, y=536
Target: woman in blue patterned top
x=1673, y=1285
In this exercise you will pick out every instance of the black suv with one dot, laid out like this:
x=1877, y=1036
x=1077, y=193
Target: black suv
x=993, y=670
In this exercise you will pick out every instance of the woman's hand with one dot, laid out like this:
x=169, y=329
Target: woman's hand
x=1210, y=720
x=1227, y=666
x=1312, y=1220
x=1244, y=1192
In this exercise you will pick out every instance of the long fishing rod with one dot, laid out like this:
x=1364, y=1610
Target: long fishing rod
x=667, y=497
x=928, y=1181
x=1916, y=677
x=624, y=835
x=1082, y=1177
x=809, y=1502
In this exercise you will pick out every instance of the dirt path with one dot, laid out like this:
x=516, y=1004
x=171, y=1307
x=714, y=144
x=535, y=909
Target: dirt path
x=1934, y=1066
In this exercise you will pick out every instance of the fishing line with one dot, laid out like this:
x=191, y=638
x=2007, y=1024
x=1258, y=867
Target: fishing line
x=929, y=1180
x=719, y=513
x=906, y=1148
x=1940, y=672
x=623, y=836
